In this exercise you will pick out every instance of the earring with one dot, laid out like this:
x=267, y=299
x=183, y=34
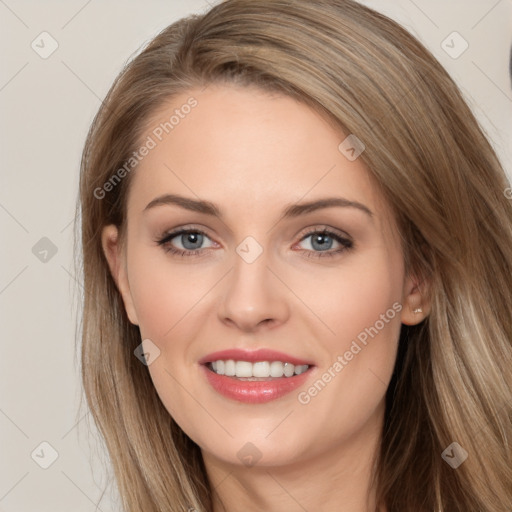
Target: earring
x=418, y=310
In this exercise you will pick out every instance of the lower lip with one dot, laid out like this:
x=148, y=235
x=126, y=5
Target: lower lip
x=254, y=392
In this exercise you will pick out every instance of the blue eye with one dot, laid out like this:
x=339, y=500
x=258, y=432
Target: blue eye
x=192, y=240
x=322, y=240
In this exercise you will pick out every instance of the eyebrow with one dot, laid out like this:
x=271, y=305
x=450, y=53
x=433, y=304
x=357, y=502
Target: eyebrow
x=291, y=211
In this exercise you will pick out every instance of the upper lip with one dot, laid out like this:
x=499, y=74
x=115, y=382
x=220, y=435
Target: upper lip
x=253, y=356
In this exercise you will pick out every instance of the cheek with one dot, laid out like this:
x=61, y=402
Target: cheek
x=164, y=292
x=370, y=293
x=364, y=313
x=167, y=299
x=362, y=307
x=355, y=296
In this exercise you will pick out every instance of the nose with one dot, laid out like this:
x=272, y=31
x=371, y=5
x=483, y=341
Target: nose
x=254, y=297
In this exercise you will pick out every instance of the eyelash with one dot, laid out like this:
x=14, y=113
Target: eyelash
x=347, y=244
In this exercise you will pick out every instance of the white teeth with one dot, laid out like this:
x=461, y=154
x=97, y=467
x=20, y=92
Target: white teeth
x=260, y=369
x=301, y=369
x=276, y=369
x=229, y=368
x=243, y=369
x=289, y=369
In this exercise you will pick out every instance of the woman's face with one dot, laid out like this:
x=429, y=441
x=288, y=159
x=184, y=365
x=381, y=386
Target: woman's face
x=261, y=274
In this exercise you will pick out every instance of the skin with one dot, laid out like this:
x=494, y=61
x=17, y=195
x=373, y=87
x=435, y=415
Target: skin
x=252, y=154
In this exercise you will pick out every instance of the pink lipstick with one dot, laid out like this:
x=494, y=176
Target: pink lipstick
x=256, y=376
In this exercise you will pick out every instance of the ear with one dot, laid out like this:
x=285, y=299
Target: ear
x=116, y=259
x=415, y=301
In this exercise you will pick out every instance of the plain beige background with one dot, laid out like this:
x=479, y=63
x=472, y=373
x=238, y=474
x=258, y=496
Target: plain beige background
x=47, y=105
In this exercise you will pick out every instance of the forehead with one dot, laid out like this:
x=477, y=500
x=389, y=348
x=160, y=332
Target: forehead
x=246, y=148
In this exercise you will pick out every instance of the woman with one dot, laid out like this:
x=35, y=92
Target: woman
x=297, y=251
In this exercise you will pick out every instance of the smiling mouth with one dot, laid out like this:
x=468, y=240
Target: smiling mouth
x=257, y=381
x=257, y=371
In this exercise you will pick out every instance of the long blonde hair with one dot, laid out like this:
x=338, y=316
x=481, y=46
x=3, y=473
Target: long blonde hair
x=446, y=187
